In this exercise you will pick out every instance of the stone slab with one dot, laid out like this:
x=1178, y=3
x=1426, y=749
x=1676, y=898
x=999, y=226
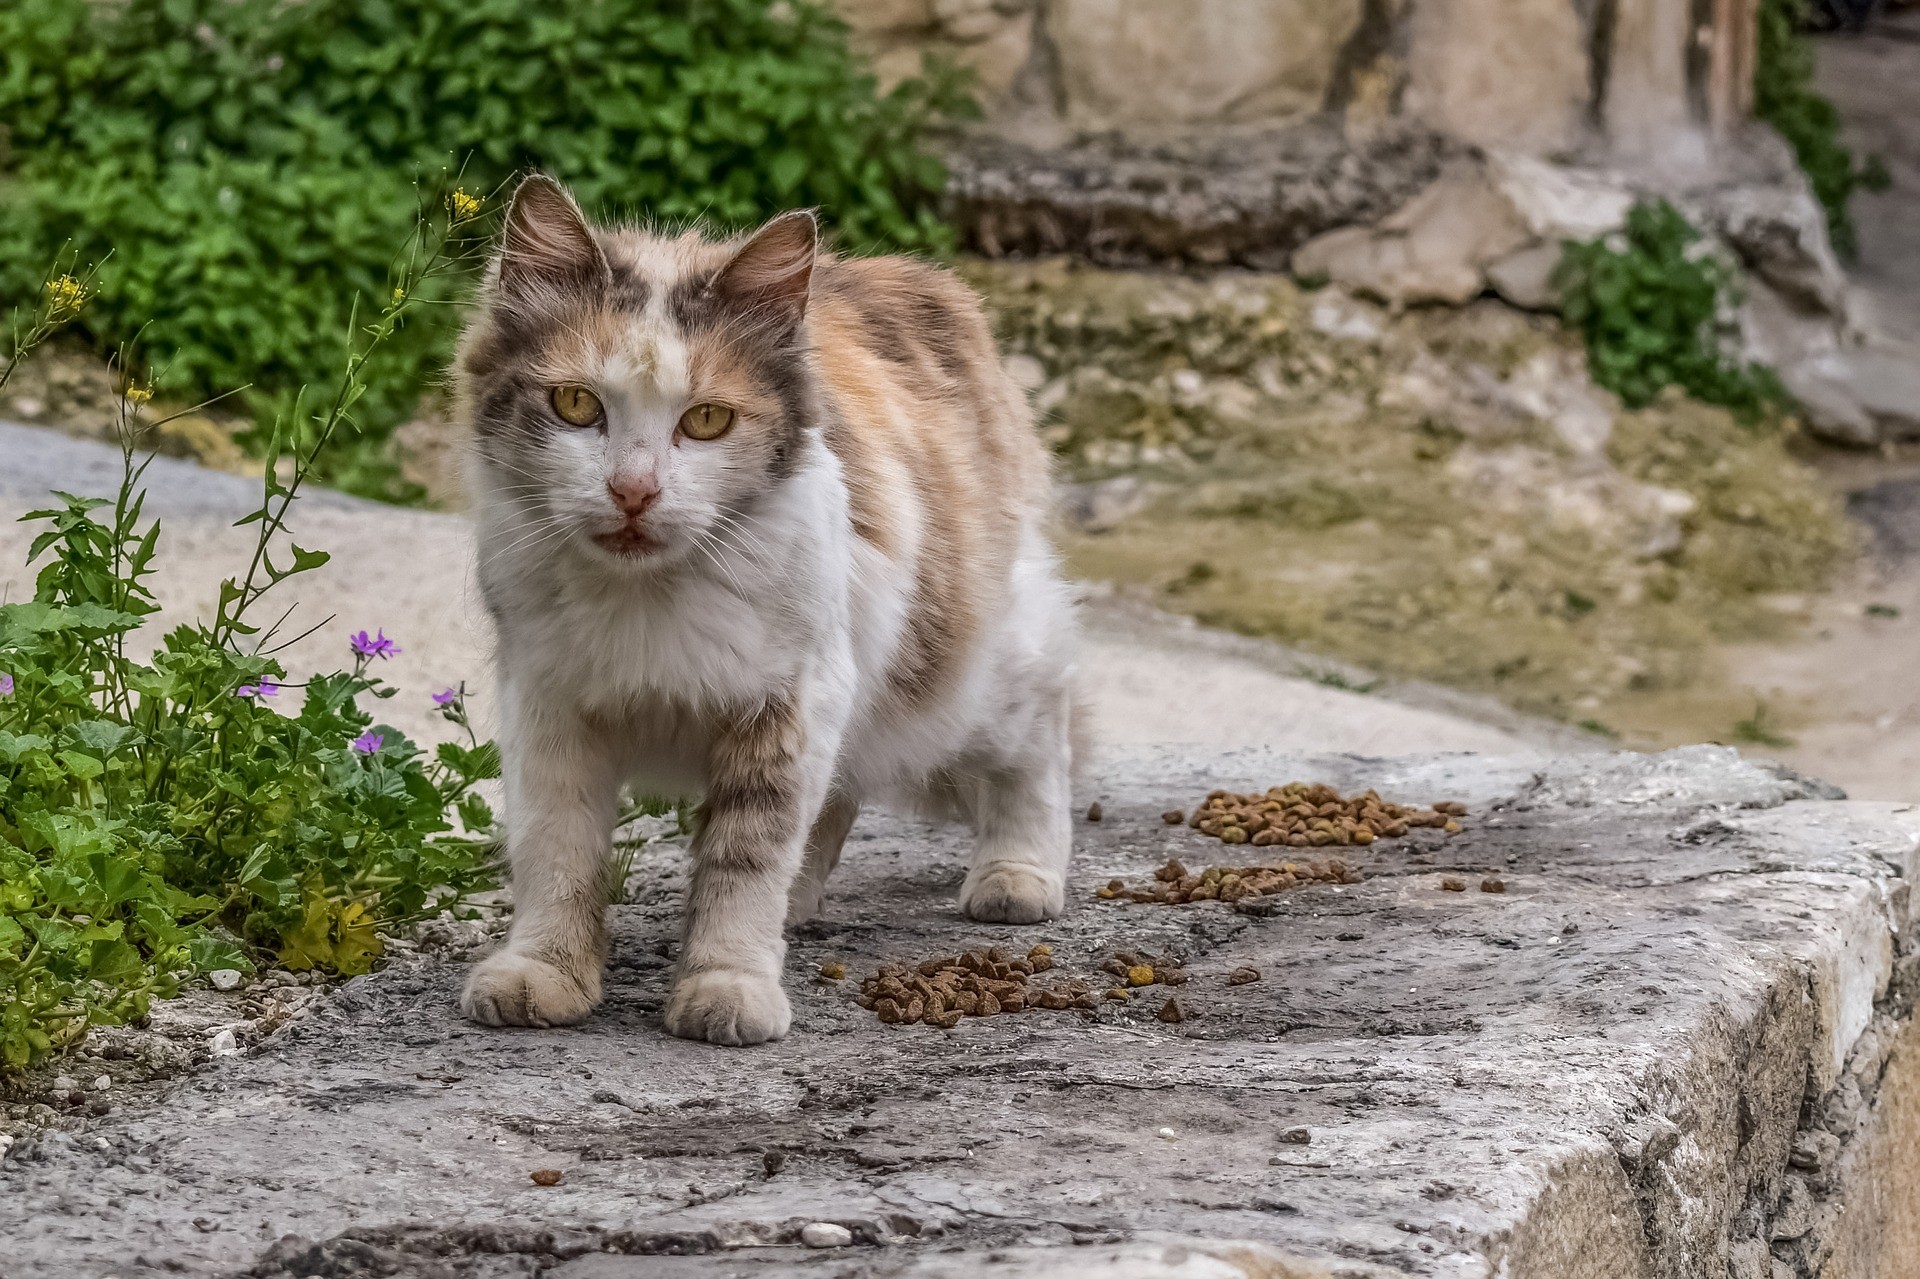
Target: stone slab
x=1658, y=1050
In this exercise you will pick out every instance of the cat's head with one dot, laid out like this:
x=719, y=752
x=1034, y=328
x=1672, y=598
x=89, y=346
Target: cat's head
x=634, y=392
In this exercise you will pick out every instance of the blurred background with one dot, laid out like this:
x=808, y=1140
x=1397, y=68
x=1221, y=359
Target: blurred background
x=1514, y=375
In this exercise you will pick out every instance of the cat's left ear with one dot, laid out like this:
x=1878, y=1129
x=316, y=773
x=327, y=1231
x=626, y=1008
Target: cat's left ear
x=771, y=273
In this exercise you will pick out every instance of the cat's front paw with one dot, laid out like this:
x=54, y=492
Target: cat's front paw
x=509, y=988
x=727, y=1006
x=1010, y=893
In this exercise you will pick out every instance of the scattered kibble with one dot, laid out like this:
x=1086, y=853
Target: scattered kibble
x=1453, y=884
x=1299, y=1136
x=1171, y=1012
x=833, y=970
x=1493, y=884
x=1243, y=976
x=1304, y=815
x=1174, y=817
x=1175, y=884
x=546, y=1176
x=1136, y=970
x=1119, y=994
x=978, y=983
x=1093, y=812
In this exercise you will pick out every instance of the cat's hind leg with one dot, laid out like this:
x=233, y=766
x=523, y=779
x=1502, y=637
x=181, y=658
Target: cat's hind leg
x=1020, y=803
x=824, y=842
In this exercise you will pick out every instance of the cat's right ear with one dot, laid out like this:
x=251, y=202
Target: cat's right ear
x=545, y=244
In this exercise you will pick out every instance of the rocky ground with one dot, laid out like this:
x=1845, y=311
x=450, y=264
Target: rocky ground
x=1541, y=1081
x=1438, y=493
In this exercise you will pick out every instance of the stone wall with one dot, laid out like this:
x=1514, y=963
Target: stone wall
x=1534, y=75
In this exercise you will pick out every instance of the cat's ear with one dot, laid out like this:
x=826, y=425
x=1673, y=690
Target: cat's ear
x=770, y=274
x=545, y=243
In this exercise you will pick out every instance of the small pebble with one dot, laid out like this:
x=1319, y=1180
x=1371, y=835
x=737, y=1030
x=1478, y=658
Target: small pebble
x=1299, y=1136
x=1093, y=812
x=65, y=1083
x=1453, y=885
x=825, y=1234
x=1242, y=976
x=1168, y=1134
x=1172, y=1013
x=1174, y=817
x=223, y=1044
x=1493, y=885
x=545, y=1176
x=773, y=1161
x=103, y=1083
x=833, y=970
x=224, y=978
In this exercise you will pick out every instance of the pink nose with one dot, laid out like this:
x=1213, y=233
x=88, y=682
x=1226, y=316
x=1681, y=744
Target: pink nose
x=633, y=494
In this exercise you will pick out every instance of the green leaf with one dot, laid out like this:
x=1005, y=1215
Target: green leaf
x=114, y=962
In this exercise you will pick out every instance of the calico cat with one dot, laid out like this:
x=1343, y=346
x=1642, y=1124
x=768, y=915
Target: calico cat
x=767, y=525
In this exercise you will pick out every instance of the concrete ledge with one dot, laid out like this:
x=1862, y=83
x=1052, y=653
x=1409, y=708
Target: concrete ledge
x=1679, y=1044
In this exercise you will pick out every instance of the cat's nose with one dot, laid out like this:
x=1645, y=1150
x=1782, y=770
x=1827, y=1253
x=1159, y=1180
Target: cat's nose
x=633, y=494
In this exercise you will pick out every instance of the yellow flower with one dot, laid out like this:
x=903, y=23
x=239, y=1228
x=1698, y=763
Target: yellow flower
x=138, y=395
x=399, y=295
x=464, y=206
x=65, y=297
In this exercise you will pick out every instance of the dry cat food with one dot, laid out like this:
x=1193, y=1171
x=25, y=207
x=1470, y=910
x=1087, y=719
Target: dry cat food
x=545, y=1176
x=1455, y=884
x=978, y=983
x=1135, y=970
x=1310, y=815
x=1175, y=884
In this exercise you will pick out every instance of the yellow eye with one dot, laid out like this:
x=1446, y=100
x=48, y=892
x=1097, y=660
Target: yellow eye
x=578, y=405
x=706, y=421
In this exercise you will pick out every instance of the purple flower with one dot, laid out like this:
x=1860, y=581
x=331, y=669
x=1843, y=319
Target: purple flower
x=368, y=743
x=265, y=688
x=376, y=645
x=6, y=686
x=447, y=697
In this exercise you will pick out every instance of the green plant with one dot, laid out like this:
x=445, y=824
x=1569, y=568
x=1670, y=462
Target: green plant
x=1784, y=97
x=1758, y=730
x=163, y=817
x=1654, y=307
x=246, y=158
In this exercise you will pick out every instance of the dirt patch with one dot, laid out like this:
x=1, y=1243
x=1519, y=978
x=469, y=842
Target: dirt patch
x=1438, y=494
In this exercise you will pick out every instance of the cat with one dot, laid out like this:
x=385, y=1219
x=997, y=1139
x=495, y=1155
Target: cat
x=765, y=524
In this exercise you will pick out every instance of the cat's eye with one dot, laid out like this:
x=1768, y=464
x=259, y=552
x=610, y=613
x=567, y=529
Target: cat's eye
x=578, y=405
x=706, y=421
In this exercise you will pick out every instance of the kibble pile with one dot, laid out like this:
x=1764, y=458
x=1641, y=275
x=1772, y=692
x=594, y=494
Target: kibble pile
x=1310, y=815
x=979, y=983
x=1175, y=884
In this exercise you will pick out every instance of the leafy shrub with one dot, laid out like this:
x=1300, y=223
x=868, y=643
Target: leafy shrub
x=1653, y=306
x=245, y=159
x=163, y=817
x=1785, y=98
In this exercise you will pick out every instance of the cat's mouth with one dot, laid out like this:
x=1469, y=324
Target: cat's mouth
x=628, y=542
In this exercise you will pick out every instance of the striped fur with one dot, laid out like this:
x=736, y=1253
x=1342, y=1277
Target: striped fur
x=848, y=598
